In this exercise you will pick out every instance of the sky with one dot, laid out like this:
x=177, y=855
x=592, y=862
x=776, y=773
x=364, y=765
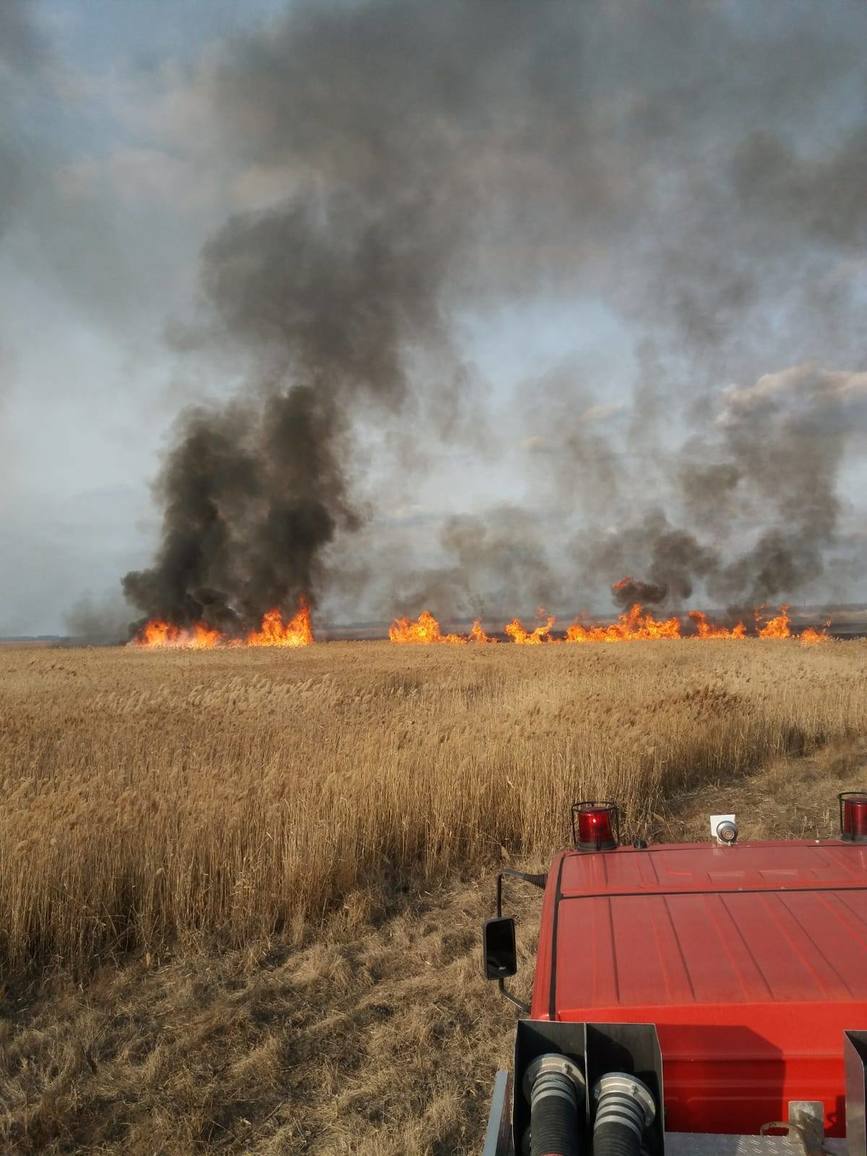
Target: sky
x=657, y=215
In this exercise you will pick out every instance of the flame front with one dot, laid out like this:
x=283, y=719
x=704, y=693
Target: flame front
x=424, y=629
x=704, y=629
x=297, y=631
x=779, y=627
x=163, y=634
x=776, y=627
x=633, y=626
x=275, y=632
x=523, y=637
x=636, y=624
x=812, y=637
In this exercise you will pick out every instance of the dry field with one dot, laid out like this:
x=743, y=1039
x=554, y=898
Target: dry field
x=240, y=890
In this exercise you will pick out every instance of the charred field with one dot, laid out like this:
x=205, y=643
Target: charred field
x=241, y=889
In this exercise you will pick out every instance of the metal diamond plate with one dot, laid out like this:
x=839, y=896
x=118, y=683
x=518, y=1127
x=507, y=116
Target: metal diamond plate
x=681, y=1144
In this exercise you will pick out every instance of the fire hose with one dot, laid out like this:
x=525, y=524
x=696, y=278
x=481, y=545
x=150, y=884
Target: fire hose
x=624, y=1111
x=554, y=1086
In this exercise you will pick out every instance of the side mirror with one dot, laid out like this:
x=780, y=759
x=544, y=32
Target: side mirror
x=499, y=952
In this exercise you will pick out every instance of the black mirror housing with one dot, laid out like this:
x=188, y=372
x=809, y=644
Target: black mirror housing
x=499, y=951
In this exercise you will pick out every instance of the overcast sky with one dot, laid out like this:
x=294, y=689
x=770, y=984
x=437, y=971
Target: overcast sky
x=116, y=167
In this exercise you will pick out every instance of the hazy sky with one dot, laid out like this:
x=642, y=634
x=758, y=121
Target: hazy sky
x=116, y=166
x=100, y=232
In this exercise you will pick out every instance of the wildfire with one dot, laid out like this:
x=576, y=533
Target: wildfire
x=812, y=637
x=273, y=631
x=634, y=625
x=776, y=627
x=159, y=633
x=704, y=629
x=779, y=627
x=542, y=633
x=426, y=630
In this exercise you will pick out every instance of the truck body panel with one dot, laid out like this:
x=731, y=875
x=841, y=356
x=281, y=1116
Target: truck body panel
x=751, y=960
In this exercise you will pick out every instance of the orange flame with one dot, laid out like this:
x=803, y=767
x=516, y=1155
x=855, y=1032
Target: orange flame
x=523, y=637
x=777, y=627
x=477, y=634
x=275, y=632
x=163, y=634
x=812, y=637
x=704, y=629
x=636, y=624
x=204, y=637
x=426, y=630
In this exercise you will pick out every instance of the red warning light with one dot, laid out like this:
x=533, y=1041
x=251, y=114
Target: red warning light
x=598, y=826
x=853, y=816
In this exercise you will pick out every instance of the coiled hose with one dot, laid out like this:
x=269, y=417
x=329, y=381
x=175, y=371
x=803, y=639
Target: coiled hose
x=554, y=1085
x=625, y=1109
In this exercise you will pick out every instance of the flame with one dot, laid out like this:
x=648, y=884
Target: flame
x=163, y=634
x=523, y=637
x=204, y=637
x=424, y=629
x=777, y=627
x=636, y=624
x=273, y=632
x=812, y=637
x=704, y=629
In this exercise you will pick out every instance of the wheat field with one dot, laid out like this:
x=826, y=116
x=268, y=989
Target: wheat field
x=157, y=797
x=179, y=813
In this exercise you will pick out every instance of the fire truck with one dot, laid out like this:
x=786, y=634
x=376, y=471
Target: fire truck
x=689, y=998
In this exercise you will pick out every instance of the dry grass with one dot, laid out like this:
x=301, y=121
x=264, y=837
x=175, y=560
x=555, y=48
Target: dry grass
x=156, y=798
x=278, y=831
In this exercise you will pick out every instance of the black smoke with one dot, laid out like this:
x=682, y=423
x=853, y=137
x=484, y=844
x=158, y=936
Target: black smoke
x=672, y=161
x=628, y=591
x=330, y=296
x=757, y=492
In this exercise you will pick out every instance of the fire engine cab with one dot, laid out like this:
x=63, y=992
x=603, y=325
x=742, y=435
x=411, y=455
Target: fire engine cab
x=689, y=998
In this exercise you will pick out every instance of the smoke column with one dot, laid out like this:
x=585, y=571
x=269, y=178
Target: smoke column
x=441, y=156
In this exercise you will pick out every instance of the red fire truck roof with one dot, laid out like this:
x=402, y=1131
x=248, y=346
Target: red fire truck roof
x=751, y=960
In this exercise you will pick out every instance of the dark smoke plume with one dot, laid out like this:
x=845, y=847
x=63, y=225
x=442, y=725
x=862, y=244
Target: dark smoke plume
x=673, y=560
x=493, y=563
x=628, y=591
x=330, y=296
x=760, y=488
x=440, y=157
